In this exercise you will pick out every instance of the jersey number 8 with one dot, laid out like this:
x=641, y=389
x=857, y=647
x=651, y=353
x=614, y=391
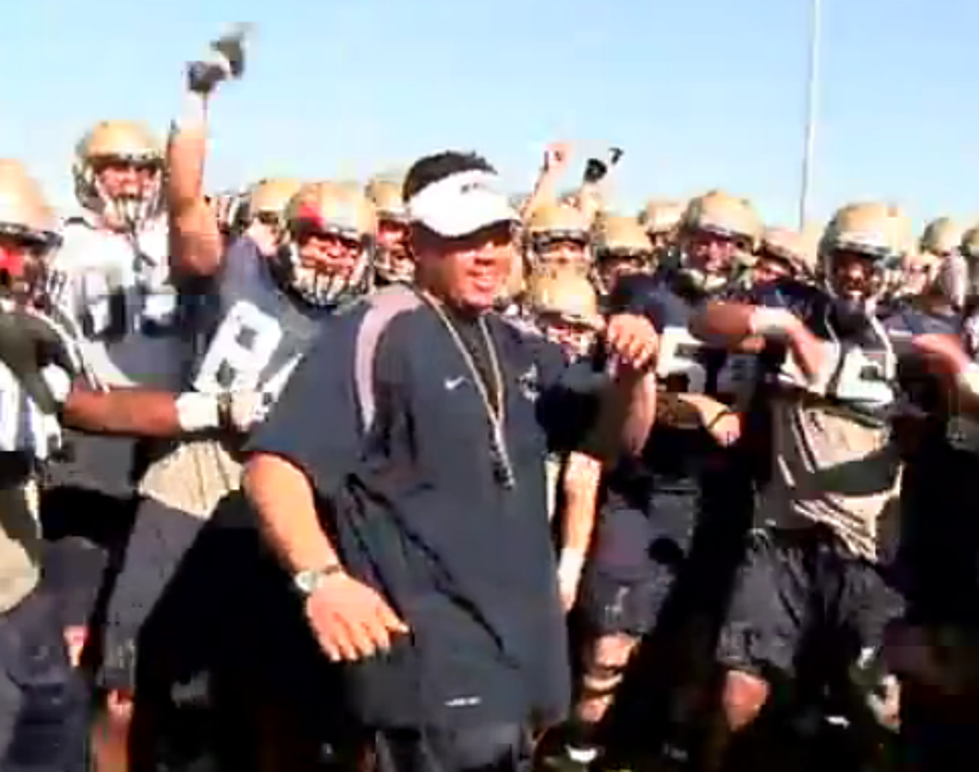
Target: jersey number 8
x=240, y=350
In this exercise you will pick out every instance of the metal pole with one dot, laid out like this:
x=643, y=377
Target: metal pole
x=810, y=144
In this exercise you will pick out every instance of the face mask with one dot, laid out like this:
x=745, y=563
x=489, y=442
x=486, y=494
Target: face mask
x=953, y=280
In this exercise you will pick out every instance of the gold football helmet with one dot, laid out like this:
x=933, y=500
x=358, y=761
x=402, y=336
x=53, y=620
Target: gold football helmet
x=661, y=218
x=268, y=198
x=720, y=233
x=941, y=237
x=564, y=305
x=28, y=234
x=330, y=230
x=622, y=247
x=621, y=235
x=264, y=202
x=794, y=250
x=722, y=214
x=392, y=258
x=958, y=273
x=876, y=234
x=936, y=266
x=118, y=173
x=558, y=237
x=970, y=243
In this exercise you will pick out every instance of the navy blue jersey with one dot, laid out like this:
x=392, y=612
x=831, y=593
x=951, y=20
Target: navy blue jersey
x=680, y=449
x=859, y=372
x=259, y=332
x=922, y=390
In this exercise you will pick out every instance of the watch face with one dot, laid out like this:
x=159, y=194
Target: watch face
x=311, y=579
x=307, y=581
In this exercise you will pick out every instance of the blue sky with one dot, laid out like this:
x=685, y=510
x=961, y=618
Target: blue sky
x=699, y=93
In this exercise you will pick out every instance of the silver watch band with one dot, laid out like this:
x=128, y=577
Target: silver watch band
x=310, y=580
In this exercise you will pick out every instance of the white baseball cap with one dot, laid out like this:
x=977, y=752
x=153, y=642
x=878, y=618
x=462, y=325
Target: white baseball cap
x=461, y=203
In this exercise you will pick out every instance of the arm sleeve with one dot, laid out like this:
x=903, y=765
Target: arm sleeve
x=570, y=396
x=315, y=423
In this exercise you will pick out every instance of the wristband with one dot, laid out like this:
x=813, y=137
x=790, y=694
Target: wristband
x=771, y=322
x=570, y=564
x=58, y=382
x=196, y=412
x=968, y=379
x=193, y=114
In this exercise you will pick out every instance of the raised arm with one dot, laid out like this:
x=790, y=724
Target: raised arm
x=545, y=189
x=946, y=358
x=196, y=244
x=196, y=247
x=739, y=326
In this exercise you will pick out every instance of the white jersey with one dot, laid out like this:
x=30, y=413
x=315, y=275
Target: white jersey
x=25, y=427
x=119, y=291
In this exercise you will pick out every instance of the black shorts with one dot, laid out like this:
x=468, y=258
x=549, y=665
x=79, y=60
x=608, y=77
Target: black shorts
x=101, y=518
x=494, y=747
x=158, y=543
x=227, y=668
x=72, y=572
x=795, y=587
x=637, y=559
x=43, y=707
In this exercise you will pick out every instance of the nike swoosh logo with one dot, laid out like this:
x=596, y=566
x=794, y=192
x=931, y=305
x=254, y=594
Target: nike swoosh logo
x=451, y=384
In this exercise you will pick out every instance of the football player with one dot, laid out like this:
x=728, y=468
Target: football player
x=940, y=241
x=392, y=259
x=661, y=219
x=785, y=254
x=564, y=308
x=826, y=517
x=42, y=708
x=558, y=237
x=269, y=293
x=47, y=385
x=686, y=480
x=934, y=650
x=622, y=248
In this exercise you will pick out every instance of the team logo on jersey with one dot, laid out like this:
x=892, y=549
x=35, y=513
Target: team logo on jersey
x=529, y=384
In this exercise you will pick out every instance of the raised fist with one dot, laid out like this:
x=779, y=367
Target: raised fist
x=226, y=59
x=556, y=156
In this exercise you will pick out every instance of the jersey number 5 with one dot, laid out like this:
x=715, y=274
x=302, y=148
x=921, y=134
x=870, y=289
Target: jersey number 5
x=860, y=378
x=678, y=358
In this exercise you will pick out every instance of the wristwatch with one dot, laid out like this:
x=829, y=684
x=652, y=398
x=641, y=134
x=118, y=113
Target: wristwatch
x=310, y=580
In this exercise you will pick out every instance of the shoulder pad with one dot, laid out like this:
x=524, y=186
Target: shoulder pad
x=802, y=299
x=633, y=294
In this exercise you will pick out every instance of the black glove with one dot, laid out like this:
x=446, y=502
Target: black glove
x=29, y=343
x=204, y=76
x=596, y=169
